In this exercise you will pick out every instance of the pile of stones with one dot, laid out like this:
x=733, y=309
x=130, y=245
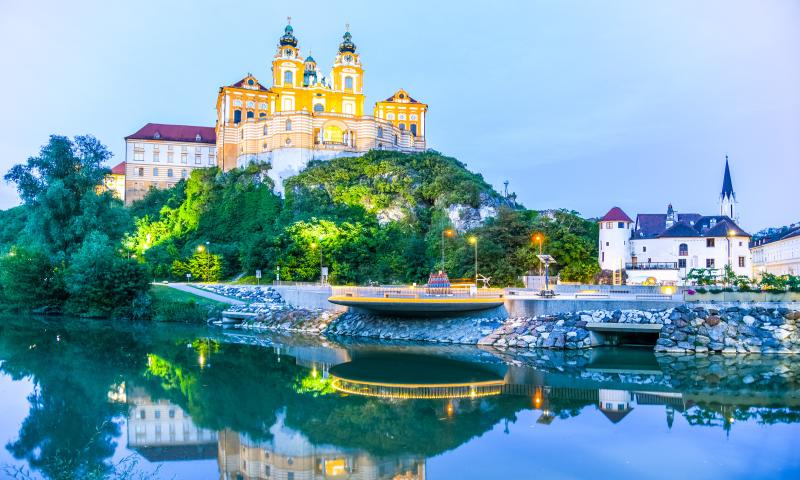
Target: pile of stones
x=246, y=293
x=735, y=329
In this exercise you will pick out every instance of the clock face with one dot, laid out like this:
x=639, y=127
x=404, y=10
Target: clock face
x=348, y=59
x=288, y=52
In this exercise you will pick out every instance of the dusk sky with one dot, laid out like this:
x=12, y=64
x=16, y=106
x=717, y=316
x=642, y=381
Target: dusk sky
x=579, y=104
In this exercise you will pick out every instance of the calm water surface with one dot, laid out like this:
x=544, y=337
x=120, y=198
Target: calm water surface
x=83, y=399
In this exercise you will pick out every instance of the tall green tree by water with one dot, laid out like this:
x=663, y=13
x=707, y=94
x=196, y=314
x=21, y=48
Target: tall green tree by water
x=68, y=252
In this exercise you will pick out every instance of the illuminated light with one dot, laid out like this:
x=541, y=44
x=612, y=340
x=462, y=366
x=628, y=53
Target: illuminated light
x=537, y=398
x=731, y=233
x=449, y=409
x=201, y=360
x=473, y=240
x=314, y=372
x=201, y=248
x=668, y=290
x=449, y=232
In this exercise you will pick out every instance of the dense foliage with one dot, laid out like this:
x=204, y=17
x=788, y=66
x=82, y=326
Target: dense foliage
x=66, y=253
x=378, y=217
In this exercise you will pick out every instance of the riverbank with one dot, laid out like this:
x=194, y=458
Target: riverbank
x=683, y=329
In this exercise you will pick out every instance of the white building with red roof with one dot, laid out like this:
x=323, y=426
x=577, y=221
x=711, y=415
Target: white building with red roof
x=160, y=155
x=662, y=248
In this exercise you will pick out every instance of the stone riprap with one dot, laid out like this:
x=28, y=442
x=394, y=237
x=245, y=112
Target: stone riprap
x=245, y=293
x=683, y=329
x=441, y=330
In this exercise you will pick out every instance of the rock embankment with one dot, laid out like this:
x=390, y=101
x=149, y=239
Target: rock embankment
x=683, y=329
x=440, y=330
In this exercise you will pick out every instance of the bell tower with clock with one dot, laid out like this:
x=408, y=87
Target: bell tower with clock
x=348, y=76
x=287, y=66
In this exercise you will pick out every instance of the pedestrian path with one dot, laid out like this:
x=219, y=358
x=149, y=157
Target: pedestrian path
x=204, y=293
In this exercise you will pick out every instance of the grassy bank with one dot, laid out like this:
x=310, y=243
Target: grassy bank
x=171, y=305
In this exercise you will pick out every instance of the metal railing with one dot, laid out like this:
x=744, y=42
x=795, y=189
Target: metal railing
x=652, y=266
x=389, y=291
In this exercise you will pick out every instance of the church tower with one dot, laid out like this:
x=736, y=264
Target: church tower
x=727, y=198
x=287, y=70
x=348, y=76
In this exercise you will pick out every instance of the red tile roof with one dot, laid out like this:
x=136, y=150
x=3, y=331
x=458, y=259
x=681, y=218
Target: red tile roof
x=174, y=133
x=616, y=215
x=119, y=169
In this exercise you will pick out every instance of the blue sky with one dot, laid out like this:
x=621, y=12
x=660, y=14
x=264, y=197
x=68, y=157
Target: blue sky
x=579, y=104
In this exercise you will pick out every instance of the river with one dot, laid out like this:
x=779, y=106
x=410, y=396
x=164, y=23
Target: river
x=91, y=399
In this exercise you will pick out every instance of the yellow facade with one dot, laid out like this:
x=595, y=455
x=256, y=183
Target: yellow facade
x=114, y=182
x=313, y=115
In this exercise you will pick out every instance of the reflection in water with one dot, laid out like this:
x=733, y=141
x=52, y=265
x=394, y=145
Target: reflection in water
x=161, y=431
x=300, y=408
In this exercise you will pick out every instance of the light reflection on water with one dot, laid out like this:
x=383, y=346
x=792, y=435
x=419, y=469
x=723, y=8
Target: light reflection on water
x=89, y=399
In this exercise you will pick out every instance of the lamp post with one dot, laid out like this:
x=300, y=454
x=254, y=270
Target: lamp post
x=539, y=238
x=449, y=233
x=731, y=234
x=204, y=249
x=474, y=242
x=314, y=246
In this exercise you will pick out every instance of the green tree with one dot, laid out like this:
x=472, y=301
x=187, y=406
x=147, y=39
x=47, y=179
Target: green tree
x=100, y=281
x=29, y=279
x=59, y=187
x=205, y=266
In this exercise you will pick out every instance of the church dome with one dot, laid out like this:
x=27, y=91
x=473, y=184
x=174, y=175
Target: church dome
x=288, y=38
x=310, y=59
x=347, y=45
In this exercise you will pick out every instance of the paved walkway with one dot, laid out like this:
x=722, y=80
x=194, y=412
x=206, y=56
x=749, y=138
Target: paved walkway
x=203, y=293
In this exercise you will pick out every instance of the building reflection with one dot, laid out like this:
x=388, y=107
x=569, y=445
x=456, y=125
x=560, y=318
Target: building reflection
x=161, y=431
x=289, y=455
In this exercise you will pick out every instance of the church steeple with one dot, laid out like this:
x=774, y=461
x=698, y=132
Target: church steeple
x=727, y=198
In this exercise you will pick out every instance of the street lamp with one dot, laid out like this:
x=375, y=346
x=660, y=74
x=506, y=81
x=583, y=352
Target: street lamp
x=731, y=234
x=314, y=246
x=449, y=232
x=474, y=241
x=539, y=238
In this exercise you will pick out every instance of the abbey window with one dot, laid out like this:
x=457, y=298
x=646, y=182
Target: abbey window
x=288, y=77
x=348, y=83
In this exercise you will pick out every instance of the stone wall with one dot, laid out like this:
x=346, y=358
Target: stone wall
x=683, y=329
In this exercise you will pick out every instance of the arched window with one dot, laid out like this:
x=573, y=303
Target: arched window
x=683, y=250
x=262, y=115
x=169, y=172
x=402, y=127
x=414, y=129
x=318, y=107
x=288, y=77
x=390, y=116
x=348, y=83
x=380, y=132
x=237, y=116
x=288, y=125
x=250, y=114
x=251, y=104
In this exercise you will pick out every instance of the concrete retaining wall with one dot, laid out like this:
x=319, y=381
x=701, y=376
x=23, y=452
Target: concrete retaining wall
x=306, y=296
x=534, y=307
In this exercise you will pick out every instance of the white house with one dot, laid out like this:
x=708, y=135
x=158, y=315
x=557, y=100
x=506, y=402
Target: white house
x=777, y=254
x=663, y=247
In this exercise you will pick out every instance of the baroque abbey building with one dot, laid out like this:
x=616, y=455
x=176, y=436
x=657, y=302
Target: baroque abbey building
x=306, y=115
